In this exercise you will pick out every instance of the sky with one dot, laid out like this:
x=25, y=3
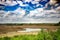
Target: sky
x=29, y=11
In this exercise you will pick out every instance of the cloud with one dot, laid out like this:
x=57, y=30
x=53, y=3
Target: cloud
x=39, y=15
x=35, y=16
x=27, y=0
x=58, y=8
x=35, y=2
x=20, y=12
x=36, y=12
x=21, y=3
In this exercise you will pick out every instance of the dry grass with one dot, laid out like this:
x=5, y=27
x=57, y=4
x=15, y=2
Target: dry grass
x=11, y=30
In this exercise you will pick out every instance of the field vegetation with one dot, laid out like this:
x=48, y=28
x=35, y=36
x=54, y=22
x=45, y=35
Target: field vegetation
x=42, y=35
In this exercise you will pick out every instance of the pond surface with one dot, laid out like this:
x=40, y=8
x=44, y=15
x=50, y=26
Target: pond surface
x=30, y=30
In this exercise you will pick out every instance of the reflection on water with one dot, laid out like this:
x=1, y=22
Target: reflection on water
x=31, y=30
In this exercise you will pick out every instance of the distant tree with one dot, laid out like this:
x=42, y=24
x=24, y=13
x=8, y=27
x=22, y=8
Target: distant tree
x=59, y=22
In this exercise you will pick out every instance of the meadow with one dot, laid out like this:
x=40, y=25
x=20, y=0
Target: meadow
x=42, y=35
x=50, y=34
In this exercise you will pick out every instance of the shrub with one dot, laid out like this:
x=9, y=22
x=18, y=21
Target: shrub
x=6, y=38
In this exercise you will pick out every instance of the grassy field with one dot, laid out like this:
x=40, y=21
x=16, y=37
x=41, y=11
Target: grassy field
x=15, y=27
x=42, y=35
x=9, y=32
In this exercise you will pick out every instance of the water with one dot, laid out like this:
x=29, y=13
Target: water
x=30, y=30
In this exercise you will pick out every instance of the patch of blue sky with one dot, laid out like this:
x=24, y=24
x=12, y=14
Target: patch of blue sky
x=43, y=2
x=10, y=8
x=29, y=7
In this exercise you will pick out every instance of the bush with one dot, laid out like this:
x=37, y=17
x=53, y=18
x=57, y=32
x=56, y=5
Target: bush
x=6, y=38
x=58, y=24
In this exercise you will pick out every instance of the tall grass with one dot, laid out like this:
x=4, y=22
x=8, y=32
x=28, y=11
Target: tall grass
x=42, y=35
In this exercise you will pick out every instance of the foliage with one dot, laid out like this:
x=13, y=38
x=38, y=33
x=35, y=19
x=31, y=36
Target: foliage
x=58, y=24
x=42, y=35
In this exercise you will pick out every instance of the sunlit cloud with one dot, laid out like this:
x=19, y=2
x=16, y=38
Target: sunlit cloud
x=37, y=13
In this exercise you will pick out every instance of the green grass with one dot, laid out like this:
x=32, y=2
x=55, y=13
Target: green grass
x=41, y=36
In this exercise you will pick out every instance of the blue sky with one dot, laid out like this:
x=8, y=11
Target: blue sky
x=29, y=11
